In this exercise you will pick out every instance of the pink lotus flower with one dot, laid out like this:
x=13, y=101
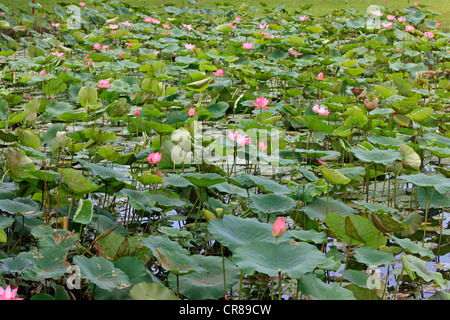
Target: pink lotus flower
x=239, y=138
x=320, y=76
x=137, y=113
x=416, y=4
x=438, y=24
x=323, y=111
x=89, y=63
x=189, y=46
x=262, y=146
x=82, y=4
x=129, y=44
x=231, y=25
x=105, y=46
x=8, y=294
x=64, y=69
x=165, y=26
x=428, y=34
x=148, y=19
x=218, y=73
x=42, y=73
x=409, y=28
x=121, y=55
x=320, y=110
x=154, y=158
x=376, y=13
x=294, y=52
x=303, y=18
x=96, y=46
x=126, y=23
x=188, y=27
x=387, y=25
x=56, y=25
x=247, y=45
x=390, y=17
x=57, y=54
x=279, y=227
x=104, y=84
x=113, y=26
x=402, y=19
x=237, y=19
x=263, y=26
x=191, y=111
x=261, y=103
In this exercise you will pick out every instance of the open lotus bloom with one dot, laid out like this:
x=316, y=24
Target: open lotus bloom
x=218, y=73
x=261, y=103
x=8, y=294
x=247, y=45
x=103, y=84
x=154, y=158
x=239, y=138
x=189, y=46
x=191, y=111
x=262, y=146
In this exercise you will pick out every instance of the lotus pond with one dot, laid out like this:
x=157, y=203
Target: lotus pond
x=229, y=153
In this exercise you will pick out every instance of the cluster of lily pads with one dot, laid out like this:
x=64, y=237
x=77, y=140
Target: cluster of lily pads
x=227, y=153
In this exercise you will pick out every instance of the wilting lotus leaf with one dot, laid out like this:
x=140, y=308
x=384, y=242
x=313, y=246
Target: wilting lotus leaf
x=234, y=232
x=151, y=291
x=171, y=255
x=271, y=203
x=412, y=160
x=373, y=258
x=362, y=230
x=29, y=138
x=208, y=284
x=417, y=267
x=333, y=176
x=420, y=114
x=76, y=181
x=84, y=212
x=17, y=163
x=87, y=96
x=102, y=273
x=269, y=258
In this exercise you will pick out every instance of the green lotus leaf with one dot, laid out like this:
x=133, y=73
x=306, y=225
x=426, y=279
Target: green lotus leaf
x=151, y=291
x=373, y=258
x=293, y=259
x=234, y=232
x=315, y=288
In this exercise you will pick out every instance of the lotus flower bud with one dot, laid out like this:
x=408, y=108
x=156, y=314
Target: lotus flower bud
x=279, y=227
